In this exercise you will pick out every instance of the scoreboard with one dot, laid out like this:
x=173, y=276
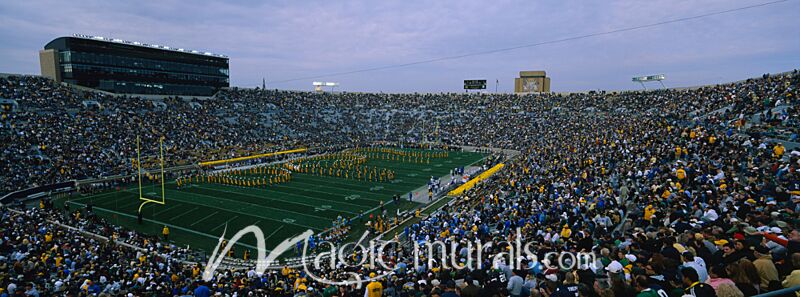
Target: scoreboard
x=475, y=84
x=657, y=77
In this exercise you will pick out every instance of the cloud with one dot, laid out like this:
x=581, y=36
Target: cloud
x=282, y=40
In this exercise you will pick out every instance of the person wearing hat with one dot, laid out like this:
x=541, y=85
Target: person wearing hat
x=374, y=288
x=720, y=243
x=693, y=286
x=615, y=267
x=735, y=251
x=775, y=247
x=765, y=267
x=703, y=247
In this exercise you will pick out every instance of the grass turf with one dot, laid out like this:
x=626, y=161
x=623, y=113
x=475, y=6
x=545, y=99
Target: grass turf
x=198, y=214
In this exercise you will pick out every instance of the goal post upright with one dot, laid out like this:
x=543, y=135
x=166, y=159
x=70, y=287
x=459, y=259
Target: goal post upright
x=139, y=166
x=145, y=200
x=161, y=149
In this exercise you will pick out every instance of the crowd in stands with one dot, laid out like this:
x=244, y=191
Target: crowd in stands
x=676, y=192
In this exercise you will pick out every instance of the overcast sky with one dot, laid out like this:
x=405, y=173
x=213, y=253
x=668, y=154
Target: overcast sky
x=282, y=40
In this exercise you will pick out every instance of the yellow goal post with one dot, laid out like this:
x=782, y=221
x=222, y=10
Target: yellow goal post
x=145, y=200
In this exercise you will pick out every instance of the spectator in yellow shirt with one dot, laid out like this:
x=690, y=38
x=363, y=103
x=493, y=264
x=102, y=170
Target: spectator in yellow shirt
x=165, y=232
x=778, y=150
x=374, y=288
x=649, y=211
x=680, y=173
x=566, y=232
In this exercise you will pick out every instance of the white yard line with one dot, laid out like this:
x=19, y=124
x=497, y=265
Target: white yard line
x=226, y=222
x=264, y=206
x=203, y=219
x=166, y=210
x=229, y=210
x=171, y=226
x=273, y=233
x=180, y=215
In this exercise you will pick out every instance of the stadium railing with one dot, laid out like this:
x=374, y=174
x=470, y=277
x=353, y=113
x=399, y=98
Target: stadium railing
x=781, y=292
x=471, y=183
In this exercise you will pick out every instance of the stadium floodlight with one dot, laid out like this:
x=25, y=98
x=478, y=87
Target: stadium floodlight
x=333, y=85
x=319, y=84
x=649, y=78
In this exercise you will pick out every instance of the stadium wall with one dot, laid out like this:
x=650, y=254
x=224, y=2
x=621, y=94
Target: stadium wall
x=48, y=61
x=39, y=191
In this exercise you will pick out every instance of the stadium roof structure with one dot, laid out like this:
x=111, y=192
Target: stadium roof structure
x=147, y=45
x=131, y=67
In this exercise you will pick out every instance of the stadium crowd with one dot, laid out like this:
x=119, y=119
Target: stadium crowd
x=676, y=192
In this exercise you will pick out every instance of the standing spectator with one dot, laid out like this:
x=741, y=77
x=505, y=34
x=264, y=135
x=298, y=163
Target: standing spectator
x=165, y=232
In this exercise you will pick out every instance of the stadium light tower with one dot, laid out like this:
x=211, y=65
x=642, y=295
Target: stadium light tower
x=643, y=79
x=318, y=85
x=333, y=85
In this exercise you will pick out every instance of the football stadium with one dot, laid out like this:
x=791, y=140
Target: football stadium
x=399, y=149
x=319, y=193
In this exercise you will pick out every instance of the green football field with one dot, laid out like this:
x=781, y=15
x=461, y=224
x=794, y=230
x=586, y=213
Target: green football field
x=198, y=214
